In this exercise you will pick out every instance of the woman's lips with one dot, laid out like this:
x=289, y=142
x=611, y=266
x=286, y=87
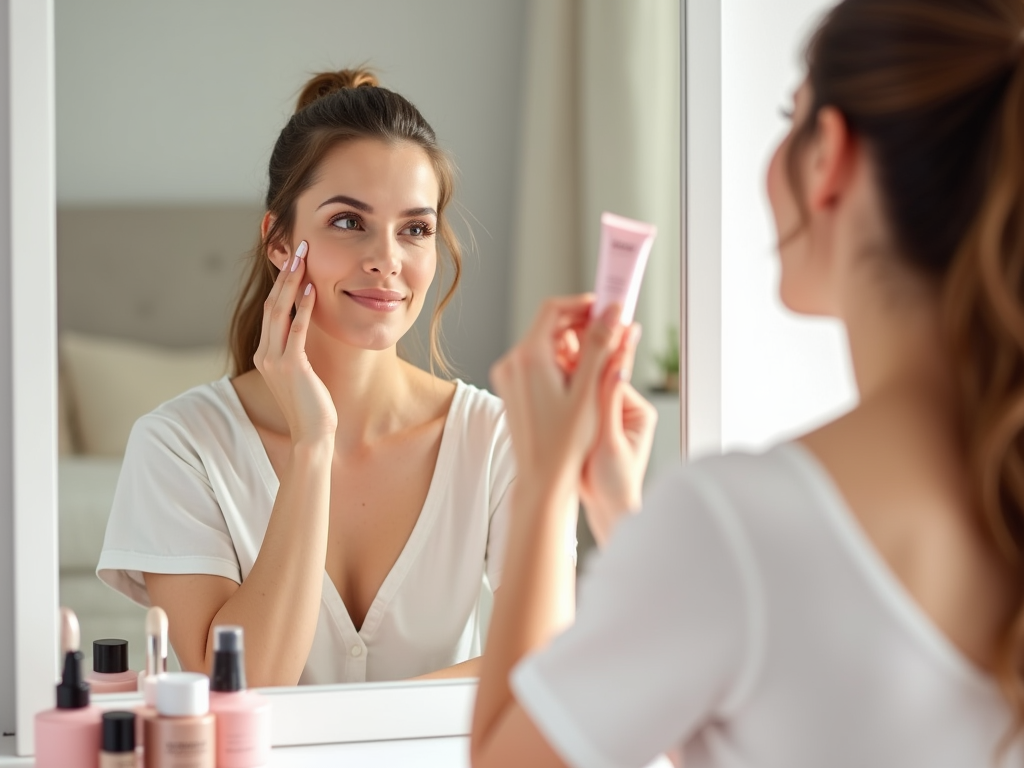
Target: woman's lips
x=377, y=299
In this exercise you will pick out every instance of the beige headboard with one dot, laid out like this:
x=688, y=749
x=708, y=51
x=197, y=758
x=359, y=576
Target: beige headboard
x=160, y=274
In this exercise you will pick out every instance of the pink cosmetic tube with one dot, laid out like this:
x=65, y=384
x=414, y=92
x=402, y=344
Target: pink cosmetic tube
x=110, y=673
x=625, y=246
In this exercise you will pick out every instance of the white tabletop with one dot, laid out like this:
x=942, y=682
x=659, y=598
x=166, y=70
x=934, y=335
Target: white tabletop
x=450, y=752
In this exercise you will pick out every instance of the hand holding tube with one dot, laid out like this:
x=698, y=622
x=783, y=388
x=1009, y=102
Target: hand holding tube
x=552, y=407
x=611, y=481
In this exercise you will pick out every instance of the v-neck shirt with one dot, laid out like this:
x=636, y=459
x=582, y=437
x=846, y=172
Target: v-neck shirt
x=197, y=489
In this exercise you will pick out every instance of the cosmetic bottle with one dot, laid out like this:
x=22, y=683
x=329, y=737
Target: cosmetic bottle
x=156, y=665
x=182, y=735
x=70, y=735
x=118, y=740
x=110, y=673
x=625, y=246
x=243, y=716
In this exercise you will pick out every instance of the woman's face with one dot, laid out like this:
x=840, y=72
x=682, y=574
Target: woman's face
x=370, y=220
x=804, y=273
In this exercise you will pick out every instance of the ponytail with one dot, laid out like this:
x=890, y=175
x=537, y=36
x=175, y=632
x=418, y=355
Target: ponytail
x=984, y=313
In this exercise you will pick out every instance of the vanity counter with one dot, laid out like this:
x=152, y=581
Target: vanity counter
x=444, y=752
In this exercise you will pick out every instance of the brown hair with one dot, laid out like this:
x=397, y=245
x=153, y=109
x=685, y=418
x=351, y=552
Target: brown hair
x=935, y=88
x=335, y=107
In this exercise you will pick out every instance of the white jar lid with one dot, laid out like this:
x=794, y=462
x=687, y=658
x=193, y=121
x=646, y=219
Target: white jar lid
x=182, y=694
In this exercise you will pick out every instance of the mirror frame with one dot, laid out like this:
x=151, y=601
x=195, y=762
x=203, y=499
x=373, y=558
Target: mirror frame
x=380, y=711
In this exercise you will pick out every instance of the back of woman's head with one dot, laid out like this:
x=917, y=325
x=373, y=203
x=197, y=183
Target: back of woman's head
x=935, y=89
x=336, y=107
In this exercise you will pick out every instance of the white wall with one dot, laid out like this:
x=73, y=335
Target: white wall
x=182, y=101
x=780, y=373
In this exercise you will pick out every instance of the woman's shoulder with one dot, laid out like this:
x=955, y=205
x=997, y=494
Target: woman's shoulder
x=195, y=413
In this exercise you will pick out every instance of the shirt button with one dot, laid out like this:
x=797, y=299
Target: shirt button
x=357, y=650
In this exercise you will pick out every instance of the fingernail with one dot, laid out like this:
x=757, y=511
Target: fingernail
x=295, y=263
x=301, y=251
x=635, y=334
x=285, y=265
x=309, y=286
x=622, y=374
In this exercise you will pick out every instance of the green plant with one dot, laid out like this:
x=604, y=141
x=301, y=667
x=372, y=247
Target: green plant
x=668, y=360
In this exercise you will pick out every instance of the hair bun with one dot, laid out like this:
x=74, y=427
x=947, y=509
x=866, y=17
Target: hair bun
x=327, y=83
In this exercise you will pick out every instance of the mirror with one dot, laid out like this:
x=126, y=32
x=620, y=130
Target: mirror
x=165, y=117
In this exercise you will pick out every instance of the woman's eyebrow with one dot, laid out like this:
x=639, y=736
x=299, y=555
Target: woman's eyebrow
x=367, y=208
x=359, y=204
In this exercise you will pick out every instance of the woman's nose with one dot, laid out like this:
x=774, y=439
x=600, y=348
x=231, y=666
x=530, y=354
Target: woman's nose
x=384, y=257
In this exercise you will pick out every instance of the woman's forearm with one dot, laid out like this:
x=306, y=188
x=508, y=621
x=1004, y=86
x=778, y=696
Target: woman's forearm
x=278, y=603
x=535, y=601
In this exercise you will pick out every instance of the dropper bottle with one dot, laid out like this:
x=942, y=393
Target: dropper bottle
x=243, y=716
x=71, y=735
x=156, y=666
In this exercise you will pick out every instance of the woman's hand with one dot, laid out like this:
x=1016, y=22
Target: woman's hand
x=551, y=393
x=281, y=356
x=611, y=482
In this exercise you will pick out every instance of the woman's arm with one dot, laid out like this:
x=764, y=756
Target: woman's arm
x=553, y=419
x=278, y=603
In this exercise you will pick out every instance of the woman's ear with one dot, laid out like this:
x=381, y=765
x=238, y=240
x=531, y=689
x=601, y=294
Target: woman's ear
x=277, y=251
x=832, y=158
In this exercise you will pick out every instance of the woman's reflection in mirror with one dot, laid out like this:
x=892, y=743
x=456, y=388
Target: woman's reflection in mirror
x=345, y=507
x=852, y=597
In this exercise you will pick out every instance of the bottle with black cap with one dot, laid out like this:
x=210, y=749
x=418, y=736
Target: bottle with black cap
x=110, y=673
x=118, y=740
x=243, y=716
x=70, y=735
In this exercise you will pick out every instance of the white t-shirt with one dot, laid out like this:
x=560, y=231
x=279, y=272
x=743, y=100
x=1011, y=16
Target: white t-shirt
x=197, y=489
x=745, y=616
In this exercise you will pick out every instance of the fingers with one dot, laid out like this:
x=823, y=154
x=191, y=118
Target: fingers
x=600, y=340
x=300, y=323
x=277, y=310
x=560, y=313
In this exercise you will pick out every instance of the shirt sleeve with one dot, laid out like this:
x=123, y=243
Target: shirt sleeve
x=503, y=481
x=165, y=516
x=662, y=637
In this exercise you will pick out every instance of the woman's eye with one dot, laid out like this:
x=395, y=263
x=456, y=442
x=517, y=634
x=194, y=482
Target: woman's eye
x=419, y=229
x=346, y=222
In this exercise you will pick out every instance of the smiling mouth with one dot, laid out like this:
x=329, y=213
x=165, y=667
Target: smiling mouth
x=378, y=300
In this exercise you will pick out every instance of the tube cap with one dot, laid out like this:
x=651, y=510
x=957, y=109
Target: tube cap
x=110, y=656
x=183, y=694
x=118, y=731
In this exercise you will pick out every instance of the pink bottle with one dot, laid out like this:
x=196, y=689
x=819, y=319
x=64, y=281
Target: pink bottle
x=69, y=736
x=243, y=717
x=110, y=673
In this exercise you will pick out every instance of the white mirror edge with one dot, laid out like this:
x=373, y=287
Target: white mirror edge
x=701, y=269
x=371, y=712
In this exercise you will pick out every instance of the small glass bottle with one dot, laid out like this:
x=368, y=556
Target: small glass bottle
x=243, y=716
x=110, y=673
x=118, y=740
x=183, y=734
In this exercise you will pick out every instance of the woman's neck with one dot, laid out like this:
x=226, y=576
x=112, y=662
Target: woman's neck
x=897, y=343
x=372, y=389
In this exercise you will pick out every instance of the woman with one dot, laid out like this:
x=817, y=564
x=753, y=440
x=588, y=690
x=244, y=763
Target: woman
x=853, y=597
x=343, y=506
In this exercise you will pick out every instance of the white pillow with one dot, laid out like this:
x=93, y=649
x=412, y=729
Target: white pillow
x=112, y=382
